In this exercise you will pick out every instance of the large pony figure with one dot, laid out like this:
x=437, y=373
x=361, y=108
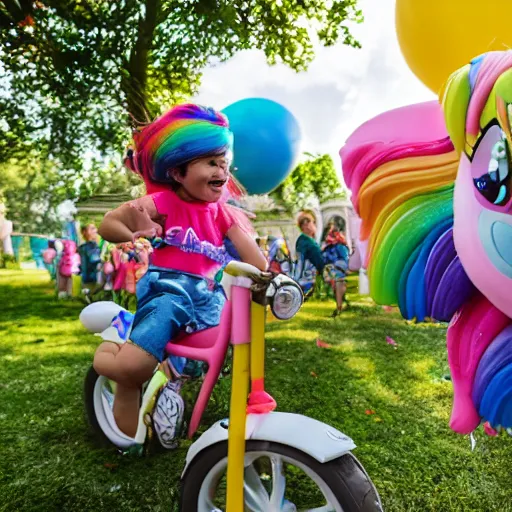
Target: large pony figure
x=434, y=197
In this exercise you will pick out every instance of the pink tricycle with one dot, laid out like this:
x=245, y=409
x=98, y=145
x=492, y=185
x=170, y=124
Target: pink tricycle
x=244, y=462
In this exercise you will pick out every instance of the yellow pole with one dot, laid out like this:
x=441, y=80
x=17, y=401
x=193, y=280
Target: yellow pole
x=236, y=429
x=257, y=346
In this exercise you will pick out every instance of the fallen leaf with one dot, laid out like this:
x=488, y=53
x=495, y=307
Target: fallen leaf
x=391, y=341
x=377, y=419
x=313, y=374
x=322, y=344
x=369, y=411
x=110, y=466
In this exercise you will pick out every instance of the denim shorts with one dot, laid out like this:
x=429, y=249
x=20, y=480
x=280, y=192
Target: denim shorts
x=335, y=271
x=171, y=302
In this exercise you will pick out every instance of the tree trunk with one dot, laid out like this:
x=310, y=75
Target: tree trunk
x=134, y=84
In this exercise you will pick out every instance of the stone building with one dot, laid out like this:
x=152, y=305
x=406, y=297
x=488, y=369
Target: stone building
x=272, y=220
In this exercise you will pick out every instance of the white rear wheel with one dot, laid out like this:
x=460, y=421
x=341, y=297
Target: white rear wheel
x=99, y=398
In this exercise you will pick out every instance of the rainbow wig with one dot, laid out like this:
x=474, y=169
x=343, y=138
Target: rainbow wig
x=184, y=133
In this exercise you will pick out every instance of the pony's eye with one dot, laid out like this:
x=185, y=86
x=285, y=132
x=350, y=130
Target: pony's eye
x=494, y=185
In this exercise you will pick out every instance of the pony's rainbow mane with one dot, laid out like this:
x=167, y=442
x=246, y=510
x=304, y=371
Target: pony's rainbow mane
x=469, y=98
x=403, y=191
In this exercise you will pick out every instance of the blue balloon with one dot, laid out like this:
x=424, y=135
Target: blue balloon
x=267, y=143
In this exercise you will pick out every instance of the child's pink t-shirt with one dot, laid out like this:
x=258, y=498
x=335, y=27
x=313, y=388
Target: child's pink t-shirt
x=194, y=235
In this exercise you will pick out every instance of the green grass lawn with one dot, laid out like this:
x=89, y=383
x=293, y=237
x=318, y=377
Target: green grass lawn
x=49, y=462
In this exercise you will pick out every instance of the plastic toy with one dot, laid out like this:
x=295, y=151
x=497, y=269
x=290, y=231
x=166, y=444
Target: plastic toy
x=254, y=436
x=440, y=253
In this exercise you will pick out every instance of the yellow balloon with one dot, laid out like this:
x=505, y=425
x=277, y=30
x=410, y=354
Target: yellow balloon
x=439, y=36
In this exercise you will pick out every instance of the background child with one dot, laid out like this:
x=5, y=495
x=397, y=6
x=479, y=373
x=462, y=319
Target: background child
x=186, y=155
x=336, y=255
x=90, y=256
x=69, y=265
x=310, y=261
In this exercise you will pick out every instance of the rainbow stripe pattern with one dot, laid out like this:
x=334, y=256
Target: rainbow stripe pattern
x=401, y=173
x=182, y=134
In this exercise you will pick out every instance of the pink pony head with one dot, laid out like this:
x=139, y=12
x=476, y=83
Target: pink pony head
x=70, y=261
x=477, y=103
x=69, y=247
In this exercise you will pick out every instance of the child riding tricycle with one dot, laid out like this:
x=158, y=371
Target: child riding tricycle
x=192, y=302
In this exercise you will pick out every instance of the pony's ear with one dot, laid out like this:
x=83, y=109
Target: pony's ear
x=454, y=97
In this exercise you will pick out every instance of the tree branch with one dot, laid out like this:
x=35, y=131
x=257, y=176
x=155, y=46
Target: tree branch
x=134, y=84
x=17, y=10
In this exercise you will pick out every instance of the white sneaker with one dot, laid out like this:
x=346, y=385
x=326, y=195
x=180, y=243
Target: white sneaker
x=168, y=415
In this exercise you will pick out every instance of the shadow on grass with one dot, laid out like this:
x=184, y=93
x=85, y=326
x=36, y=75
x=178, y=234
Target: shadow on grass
x=392, y=402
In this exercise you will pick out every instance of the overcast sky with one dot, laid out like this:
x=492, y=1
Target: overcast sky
x=342, y=88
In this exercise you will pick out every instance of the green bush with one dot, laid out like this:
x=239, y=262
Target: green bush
x=8, y=261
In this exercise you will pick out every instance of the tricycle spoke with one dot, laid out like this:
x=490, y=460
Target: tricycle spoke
x=278, y=482
x=256, y=496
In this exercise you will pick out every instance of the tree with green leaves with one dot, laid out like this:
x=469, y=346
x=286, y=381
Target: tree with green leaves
x=33, y=191
x=75, y=74
x=313, y=179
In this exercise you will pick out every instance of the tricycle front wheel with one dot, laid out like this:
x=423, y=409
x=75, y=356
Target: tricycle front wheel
x=279, y=478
